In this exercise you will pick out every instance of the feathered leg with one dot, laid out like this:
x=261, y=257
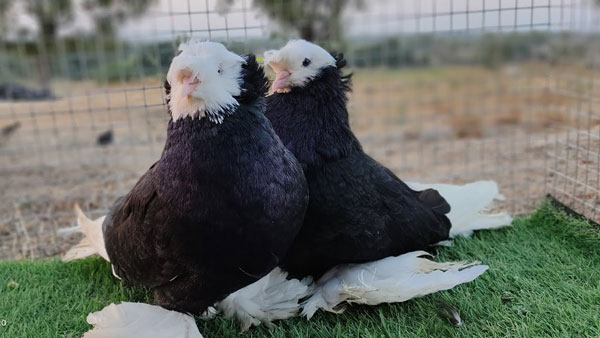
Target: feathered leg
x=128, y=320
x=389, y=280
x=272, y=297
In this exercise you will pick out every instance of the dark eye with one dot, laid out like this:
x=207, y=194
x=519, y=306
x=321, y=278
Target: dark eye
x=220, y=71
x=306, y=62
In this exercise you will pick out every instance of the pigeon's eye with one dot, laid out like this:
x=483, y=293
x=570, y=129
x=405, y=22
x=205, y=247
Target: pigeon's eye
x=220, y=71
x=306, y=62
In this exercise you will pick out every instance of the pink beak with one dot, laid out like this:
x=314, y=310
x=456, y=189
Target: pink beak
x=189, y=84
x=281, y=79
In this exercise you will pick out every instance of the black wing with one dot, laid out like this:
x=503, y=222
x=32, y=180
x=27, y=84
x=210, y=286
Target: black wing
x=417, y=218
x=137, y=248
x=429, y=197
x=359, y=211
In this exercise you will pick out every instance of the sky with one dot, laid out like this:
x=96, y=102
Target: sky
x=201, y=19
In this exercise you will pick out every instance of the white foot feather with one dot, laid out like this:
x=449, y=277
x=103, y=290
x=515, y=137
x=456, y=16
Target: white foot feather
x=272, y=297
x=469, y=204
x=93, y=238
x=128, y=320
x=389, y=280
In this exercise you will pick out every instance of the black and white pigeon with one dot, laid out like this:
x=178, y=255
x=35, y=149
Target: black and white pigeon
x=221, y=207
x=359, y=211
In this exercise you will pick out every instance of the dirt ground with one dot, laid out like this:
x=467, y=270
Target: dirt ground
x=533, y=129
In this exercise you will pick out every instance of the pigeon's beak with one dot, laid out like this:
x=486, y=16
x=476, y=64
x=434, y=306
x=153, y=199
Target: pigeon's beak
x=282, y=74
x=281, y=79
x=189, y=84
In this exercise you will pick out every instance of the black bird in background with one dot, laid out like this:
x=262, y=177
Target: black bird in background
x=222, y=206
x=10, y=129
x=359, y=211
x=14, y=91
x=105, y=138
x=7, y=131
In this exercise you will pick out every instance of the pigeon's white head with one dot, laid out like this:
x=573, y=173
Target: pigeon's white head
x=204, y=78
x=296, y=64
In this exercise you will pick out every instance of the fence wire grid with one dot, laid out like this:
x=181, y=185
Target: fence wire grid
x=444, y=91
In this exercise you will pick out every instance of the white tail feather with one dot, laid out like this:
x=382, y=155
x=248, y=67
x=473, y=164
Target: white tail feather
x=389, y=280
x=272, y=297
x=128, y=320
x=469, y=204
x=93, y=238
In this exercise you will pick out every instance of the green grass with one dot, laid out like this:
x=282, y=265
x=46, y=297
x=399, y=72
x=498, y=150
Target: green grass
x=543, y=281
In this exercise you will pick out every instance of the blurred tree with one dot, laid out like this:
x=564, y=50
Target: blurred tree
x=5, y=6
x=49, y=15
x=107, y=14
x=313, y=19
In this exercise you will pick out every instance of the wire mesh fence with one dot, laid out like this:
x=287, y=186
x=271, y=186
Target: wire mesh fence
x=444, y=91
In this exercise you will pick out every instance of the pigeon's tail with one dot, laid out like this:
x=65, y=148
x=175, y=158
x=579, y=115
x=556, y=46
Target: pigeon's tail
x=93, y=239
x=434, y=200
x=389, y=280
x=469, y=204
x=272, y=297
x=127, y=320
